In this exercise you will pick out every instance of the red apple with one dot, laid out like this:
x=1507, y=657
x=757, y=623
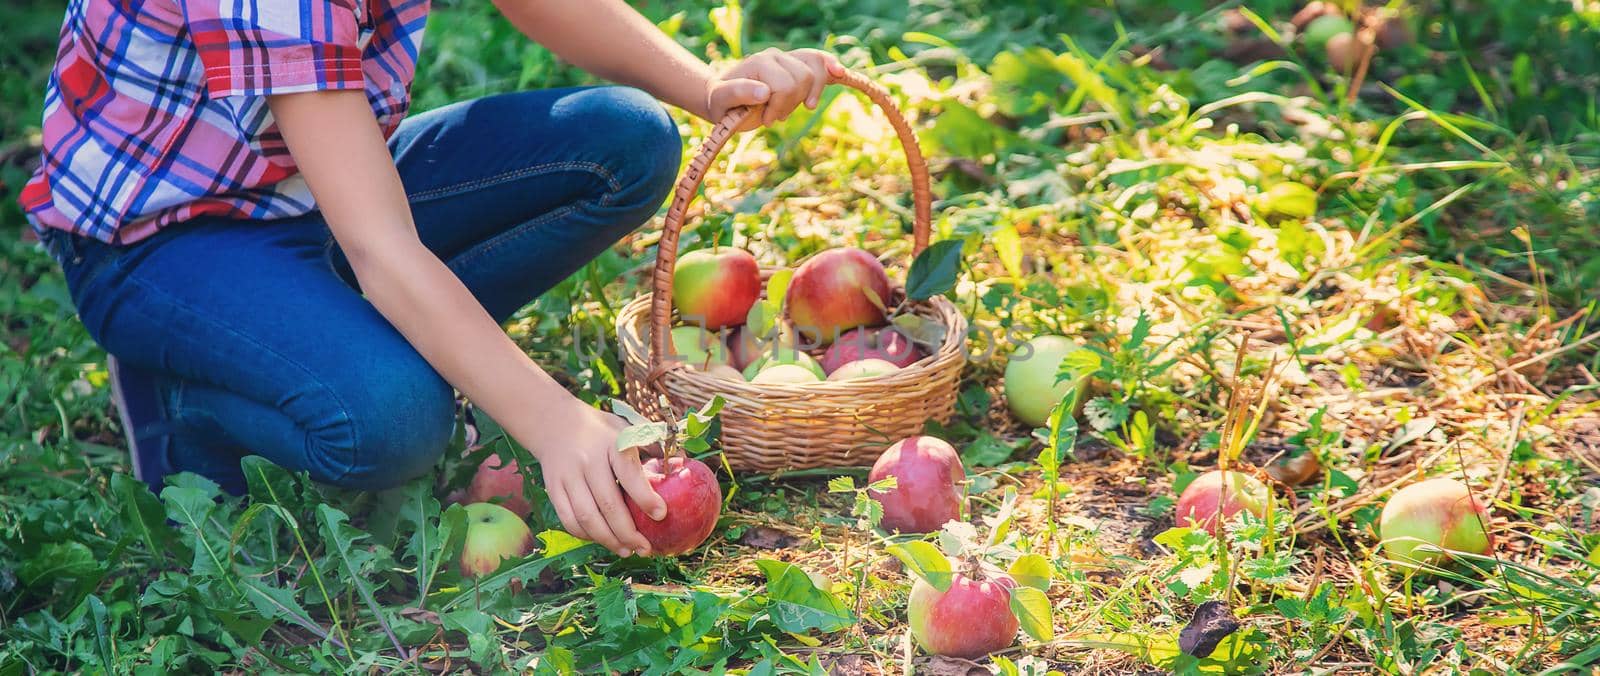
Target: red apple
x=835, y=291
x=493, y=534
x=928, y=484
x=887, y=343
x=744, y=346
x=1214, y=497
x=714, y=288
x=969, y=620
x=499, y=480
x=694, y=501
x=1425, y=521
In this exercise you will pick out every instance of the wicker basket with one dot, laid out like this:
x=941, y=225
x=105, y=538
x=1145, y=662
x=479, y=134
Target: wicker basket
x=774, y=427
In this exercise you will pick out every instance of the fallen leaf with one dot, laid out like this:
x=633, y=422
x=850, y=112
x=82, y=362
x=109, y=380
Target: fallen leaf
x=1212, y=622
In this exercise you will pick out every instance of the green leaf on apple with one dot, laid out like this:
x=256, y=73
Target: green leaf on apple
x=920, y=329
x=841, y=484
x=628, y=412
x=797, y=605
x=643, y=435
x=925, y=561
x=699, y=421
x=1031, y=570
x=958, y=537
x=1032, y=608
x=935, y=270
x=764, y=314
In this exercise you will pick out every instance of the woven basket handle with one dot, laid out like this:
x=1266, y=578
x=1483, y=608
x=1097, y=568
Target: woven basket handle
x=689, y=184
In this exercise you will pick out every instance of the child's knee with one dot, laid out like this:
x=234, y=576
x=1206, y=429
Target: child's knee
x=393, y=431
x=643, y=142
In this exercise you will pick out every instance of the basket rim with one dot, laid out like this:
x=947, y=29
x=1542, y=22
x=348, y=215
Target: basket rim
x=634, y=318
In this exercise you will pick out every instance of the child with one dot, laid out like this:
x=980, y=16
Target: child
x=281, y=266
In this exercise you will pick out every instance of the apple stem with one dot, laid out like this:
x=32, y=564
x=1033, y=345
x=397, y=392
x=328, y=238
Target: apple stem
x=972, y=567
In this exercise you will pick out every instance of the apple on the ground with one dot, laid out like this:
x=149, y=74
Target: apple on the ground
x=929, y=482
x=694, y=501
x=863, y=368
x=888, y=343
x=493, y=534
x=1425, y=521
x=714, y=288
x=496, y=479
x=835, y=291
x=1031, y=388
x=1212, y=499
x=969, y=620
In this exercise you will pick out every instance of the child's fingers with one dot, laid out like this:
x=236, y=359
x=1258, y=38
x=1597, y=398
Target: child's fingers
x=593, y=520
x=804, y=79
x=569, y=521
x=630, y=473
x=619, y=521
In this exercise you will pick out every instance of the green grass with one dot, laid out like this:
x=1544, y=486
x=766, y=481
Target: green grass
x=1429, y=312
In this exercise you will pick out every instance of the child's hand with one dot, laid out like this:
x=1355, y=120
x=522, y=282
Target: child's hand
x=773, y=83
x=582, y=466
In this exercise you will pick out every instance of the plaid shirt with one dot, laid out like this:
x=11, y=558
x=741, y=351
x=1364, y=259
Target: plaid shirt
x=156, y=110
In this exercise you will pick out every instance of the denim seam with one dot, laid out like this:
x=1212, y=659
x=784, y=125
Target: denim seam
x=344, y=409
x=494, y=243
x=525, y=172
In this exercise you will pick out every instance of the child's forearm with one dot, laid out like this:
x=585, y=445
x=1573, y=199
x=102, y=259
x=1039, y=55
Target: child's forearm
x=612, y=40
x=340, y=151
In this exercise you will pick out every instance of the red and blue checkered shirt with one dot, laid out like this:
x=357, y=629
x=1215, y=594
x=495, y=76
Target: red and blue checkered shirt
x=156, y=110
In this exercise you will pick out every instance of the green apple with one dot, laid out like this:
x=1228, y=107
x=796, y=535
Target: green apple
x=493, y=533
x=1031, y=388
x=698, y=348
x=792, y=374
x=1425, y=521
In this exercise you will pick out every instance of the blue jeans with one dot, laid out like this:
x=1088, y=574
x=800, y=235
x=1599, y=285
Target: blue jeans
x=259, y=340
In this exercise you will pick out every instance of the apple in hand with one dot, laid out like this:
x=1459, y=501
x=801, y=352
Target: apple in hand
x=835, y=291
x=495, y=479
x=1032, y=392
x=714, y=288
x=697, y=347
x=493, y=534
x=1214, y=497
x=863, y=368
x=887, y=343
x=694, y=501
x=1425, y=521
x=969, y=620
x=928, y=484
